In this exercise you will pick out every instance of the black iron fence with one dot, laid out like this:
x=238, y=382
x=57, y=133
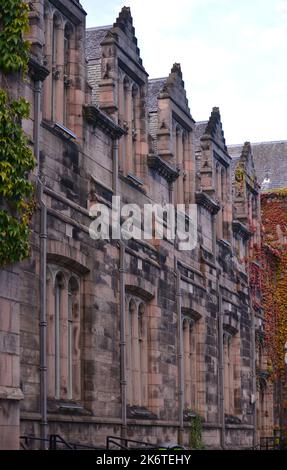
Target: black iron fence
x=273, y=443
x=113, y=442
x=56, y=442
x=53, y=442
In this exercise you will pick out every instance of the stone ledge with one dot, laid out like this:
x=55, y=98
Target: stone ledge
x=105, y=421
x=132, y=183
x=96, y=117
x=59, y=131
x=37, y=71
x=205, y=201
x=248, y=427
x=241, y=230
x=11, y=393
x=140, y=412
x=162, y=168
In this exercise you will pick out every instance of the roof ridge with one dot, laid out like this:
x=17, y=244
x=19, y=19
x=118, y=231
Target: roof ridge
x=95, y=28
x=269, y=142
x=260, y=143
x=155, y=79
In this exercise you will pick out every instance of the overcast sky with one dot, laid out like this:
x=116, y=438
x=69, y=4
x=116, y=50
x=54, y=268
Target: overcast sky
x=233, y=55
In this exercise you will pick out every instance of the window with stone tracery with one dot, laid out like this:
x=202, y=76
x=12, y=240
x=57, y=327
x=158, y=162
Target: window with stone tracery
x=136, y=352
x=223, y=195
x=63, y=339
x=68, y=40
x=231, y=349
x=59, y=46
x=129, y=119
x=56, y=51
x=191, y=363
x=182, y=160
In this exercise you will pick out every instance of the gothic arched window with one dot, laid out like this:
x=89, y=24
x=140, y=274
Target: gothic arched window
x=68, y=36
x=190, y=340
x=63, y=345
x=136, y=352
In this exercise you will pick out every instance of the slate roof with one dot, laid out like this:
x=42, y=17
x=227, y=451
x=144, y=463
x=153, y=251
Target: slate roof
x=94, y=37
x=154, y=88
x=235, y=152
x=199, y=131
x=270, y=159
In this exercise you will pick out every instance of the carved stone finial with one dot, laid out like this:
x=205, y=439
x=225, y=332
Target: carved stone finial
x=246, y=149
x=213, y=123
x=176, y=68
x=124, y=18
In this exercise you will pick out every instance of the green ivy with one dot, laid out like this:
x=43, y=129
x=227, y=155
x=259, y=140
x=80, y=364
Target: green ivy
x=14, y=22
x=16, y=157
x=239, y=174
x=195, y=434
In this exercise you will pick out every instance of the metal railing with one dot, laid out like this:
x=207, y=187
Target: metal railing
x=272, y=443
x=54, y=442
x=123, y=443
x=57, y=442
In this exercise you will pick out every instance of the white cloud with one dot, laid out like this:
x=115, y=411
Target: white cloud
x=281, y=7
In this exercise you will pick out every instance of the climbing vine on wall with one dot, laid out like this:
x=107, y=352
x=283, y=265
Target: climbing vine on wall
x=195, y=433
x=268, y=274
x=16, y=157
x=13, y=24
x=274, y=276
x=239, y=174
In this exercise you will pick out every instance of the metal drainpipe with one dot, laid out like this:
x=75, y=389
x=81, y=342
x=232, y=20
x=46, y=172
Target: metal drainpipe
x=123, y=340
x=221, y=361
x=220, y=341
x=253, y=361
x=43, y=320
x=180, y=355
x=116, y=167
x=123, y=378
x=43, y=269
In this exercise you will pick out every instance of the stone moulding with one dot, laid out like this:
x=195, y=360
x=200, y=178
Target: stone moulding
x=162, y=168
x=60, y=131
x=36, y=70
x=139, y=292
x=140, y=412
x=11, y=393
x=68, y=262
x=190, y=313
x=135, y=180
x=230, y=323
x=202, y=199
x=64, y=131
x=71, y=9
x=241, y=230
x=96, y=117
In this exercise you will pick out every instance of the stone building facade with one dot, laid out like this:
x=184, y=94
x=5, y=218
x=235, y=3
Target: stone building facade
x=130, y=338
x=270, y=160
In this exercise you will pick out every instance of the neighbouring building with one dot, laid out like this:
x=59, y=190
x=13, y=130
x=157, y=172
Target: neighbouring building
x=270, y=159
x=130, y=338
